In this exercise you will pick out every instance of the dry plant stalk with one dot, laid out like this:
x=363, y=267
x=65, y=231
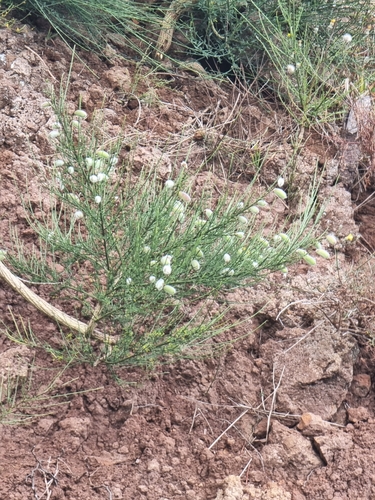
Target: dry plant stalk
x=51, y=311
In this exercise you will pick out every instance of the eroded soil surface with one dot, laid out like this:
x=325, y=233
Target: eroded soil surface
x=285, y=413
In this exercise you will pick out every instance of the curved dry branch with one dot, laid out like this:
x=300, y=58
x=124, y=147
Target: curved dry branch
x=51, y=311
x=173, y=13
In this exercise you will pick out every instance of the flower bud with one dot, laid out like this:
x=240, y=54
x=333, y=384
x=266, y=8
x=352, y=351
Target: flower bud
x=331, y=238
x=240, y=235
x=146, y=249
x=170, y=290
x=70, y=170
x=102, y=154
x=199, y=252
x=152, y=279
x=284, y=237
x=254, y=210
x=59, y=163
x=178, y=207
x=195, y=265
x=280, y=193
x=310, y=260
x=242, y=219
x=89, y=162
x=54, y=134
x=231, y=272
x=81, y=114
x=209, y=213
x=262, y=203
x=301, y=252
x=184, y=196
x=128, y=281
x=323, y=253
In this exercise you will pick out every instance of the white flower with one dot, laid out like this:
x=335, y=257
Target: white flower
x=54, y=134
x=166, y=260
x=209, y=213
x=290, y=69
x=169, y=184
x=70, y=170
x=89, y=162
x=195, y=265
x=98, y=199
x=59, y=163
x=101, y=177
x=81, y=113
x=152, y=279
x=146, y=249
x=153, y=262
x=184, y=164
x=167, y=270
x=280, y=193
x=102, y=154
x=254, y=210
x=170, y=290
x=240, y=235
x=128, y=281
x=78, y=215
x=255, y=264
x=159, y=284
x=277, y=238
x=184, y=196
x=242, y=219
x=226, y=257
x=240, y=205
x=231, y=272
x=280, y=182
x=93, y=178
x=225, y=271
x=347, y=38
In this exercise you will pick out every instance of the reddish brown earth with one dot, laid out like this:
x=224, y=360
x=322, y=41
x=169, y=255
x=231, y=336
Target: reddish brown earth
x=285, y=413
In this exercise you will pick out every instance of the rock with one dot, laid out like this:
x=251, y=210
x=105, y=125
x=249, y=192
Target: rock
x=361, y=385
x=260, y=430
x=287, y=448
x=313, y=425
x=76, y=426
x=119, y=78
x=316, y=372
x=359, y=414
x=232, y=489
x=153, y=466
x=14, y=369
x=360, y=111
x=328, y=444
x=150, y=158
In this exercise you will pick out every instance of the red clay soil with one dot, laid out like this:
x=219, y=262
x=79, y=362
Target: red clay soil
x=285, y=413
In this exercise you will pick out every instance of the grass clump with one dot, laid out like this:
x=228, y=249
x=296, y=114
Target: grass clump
x=144, y=259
